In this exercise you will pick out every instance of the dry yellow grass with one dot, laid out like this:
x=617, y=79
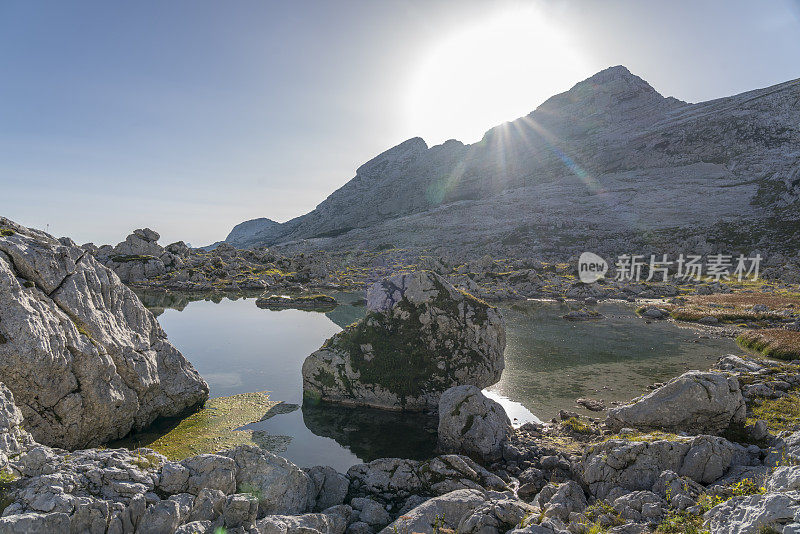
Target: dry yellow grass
x=735, y=307
x=773, y=342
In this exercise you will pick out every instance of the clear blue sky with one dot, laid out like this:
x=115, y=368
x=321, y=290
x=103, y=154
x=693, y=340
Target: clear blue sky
x=190, y=116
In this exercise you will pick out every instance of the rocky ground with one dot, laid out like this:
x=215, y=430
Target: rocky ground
x=636, y=472
x=715, y=451
x=141, y=261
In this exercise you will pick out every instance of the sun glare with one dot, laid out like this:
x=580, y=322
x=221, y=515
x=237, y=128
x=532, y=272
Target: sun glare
x=488, y=73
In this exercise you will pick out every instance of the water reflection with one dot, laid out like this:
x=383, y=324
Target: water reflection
x=550, y=362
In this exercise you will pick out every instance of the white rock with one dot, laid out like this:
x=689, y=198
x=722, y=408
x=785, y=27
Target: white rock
x=87, y=362
x=281, y=486
x=472, y=424
x=696, y=402
x=444, y=511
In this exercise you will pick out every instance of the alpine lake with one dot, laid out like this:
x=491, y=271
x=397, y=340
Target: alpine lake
x=252, y=358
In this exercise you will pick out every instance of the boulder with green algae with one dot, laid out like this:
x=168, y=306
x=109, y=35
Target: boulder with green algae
x=420, y=337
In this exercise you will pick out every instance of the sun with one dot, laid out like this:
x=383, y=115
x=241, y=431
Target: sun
x=490, y=72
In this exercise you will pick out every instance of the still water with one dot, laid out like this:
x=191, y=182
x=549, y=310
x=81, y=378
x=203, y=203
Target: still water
x=238, y=347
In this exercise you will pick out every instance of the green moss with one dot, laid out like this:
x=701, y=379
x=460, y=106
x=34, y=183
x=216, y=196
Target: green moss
x=211, y=429
x=469, y=423
x=578, y=426
x=457, y=409
x=401, y=360
x=7, y=480
x=325, y=377
x=6, y=232
x=81, y=328
x=780, y=414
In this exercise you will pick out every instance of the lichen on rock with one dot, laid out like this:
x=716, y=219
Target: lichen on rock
x=420, y=337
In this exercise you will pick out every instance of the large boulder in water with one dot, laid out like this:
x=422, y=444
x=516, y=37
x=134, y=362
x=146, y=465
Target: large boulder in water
x=420, y=337
x=696, y=402
x=86, y=362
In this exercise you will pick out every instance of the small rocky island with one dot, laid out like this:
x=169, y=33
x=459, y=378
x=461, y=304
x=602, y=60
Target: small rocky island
x=301, y=302
x=420, y=336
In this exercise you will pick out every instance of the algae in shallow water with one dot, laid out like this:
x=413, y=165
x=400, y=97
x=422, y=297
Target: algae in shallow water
x=214, y=428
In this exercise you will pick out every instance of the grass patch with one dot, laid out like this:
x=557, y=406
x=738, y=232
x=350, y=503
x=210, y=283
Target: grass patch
x=736, y=307
x=211, y=429
x=742, y=299
x=648, y=437
x=6, y=232
x=780, y=414
x=773, y=342
x=598, y=510
x=578, y=426
x=682, y=523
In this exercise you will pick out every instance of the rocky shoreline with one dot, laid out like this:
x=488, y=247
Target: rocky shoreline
x=715, y=450
x=141, y=262
x=570, y=476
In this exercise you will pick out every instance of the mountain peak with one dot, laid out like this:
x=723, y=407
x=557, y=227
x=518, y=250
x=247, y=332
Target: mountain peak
x=394, y=159
x=612, y=97
x=616, y=79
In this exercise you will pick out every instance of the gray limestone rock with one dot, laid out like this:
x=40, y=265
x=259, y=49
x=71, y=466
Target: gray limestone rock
x=86, y=361
x=420, y=336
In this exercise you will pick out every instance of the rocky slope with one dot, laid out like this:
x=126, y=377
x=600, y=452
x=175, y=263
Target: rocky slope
x=606, y=166
x=84, y=358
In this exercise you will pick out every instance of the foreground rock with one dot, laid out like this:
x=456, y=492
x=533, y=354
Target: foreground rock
x=420, y=336
x=695, y=402
x=392, y=480
x=120, y=491
x=471, y=423
x=777, y=510
x=244, y=489
x=636, y=465
x=85, y=360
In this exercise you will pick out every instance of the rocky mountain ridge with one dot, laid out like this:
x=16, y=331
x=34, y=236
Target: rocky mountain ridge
x=611, y=158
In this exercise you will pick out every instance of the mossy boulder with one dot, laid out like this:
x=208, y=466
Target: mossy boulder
x=420, y=336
